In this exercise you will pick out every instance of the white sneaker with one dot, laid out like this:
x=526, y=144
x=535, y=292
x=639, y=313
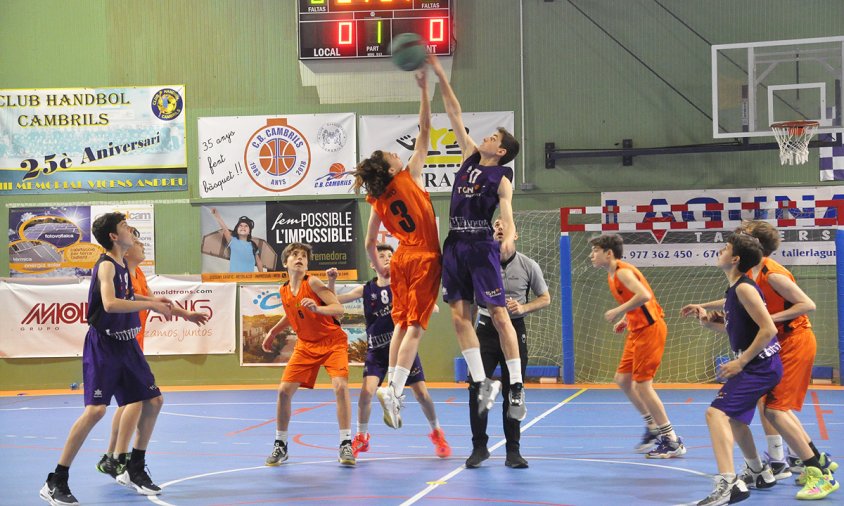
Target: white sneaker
x=487, y=393
x=726, y=492
x=762, y=479
x=392, y=404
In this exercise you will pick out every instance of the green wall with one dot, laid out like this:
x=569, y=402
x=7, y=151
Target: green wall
x=581, y=90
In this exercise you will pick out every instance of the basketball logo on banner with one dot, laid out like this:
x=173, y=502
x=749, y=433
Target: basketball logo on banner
x=277, y=156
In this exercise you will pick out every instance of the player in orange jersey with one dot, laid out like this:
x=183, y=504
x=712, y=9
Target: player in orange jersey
x=399, y=201
x=312, y=310
x=642, y=316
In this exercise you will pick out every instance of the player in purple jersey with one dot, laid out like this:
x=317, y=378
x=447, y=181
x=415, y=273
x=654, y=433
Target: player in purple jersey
x=377, y=308
x=755, y=371
x=112, y=361
x=471, y=257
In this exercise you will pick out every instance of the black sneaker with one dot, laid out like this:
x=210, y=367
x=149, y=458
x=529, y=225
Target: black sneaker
x=137, y=477
x=479, y=454
x=56, y=492
x=108, y=465
x=515, y=460
x=278, y=455
x=517, y=409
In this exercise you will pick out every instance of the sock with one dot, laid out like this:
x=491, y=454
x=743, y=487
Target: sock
x=730, y=477
x=815, y=450
x=399, y=380
x=281, y=435
x=62, y=470
x=137, y=459
x=363, y=428
x=514, y=366
x=476, y=365
x=123, y=458
x=390, y=372
x=667, y=431
x=649, y=421
x=775, y=449
x=345, y=435
x=813, y=462
x=755, y=464
x=435, y=423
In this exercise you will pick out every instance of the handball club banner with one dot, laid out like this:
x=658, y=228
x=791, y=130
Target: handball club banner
x=57, y=241
x=50, y=319
x=103, y=140
x=261, y=156
x=244, y=242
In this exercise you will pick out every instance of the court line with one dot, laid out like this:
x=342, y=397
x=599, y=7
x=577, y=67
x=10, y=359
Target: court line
x=444, y=479
x=819, y=414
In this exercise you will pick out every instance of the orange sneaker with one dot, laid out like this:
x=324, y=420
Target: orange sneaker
x=360, y=443
x=438, y=438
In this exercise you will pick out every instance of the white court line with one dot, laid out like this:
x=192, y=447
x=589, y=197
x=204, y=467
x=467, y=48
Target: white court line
x=436, y=483
x=214, y=417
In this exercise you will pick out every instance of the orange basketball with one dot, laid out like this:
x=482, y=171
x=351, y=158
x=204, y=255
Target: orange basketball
x=277, y=157
x=337, y=168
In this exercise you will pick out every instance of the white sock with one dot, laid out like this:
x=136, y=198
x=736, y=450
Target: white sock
x=363, y=428
x=514, y=366
x=281, y=435
x=345, y=435
x=730, y=477
x=399, y=380
x=775, y=449
x=476, y=365
x=755, y=464
x=390, y=372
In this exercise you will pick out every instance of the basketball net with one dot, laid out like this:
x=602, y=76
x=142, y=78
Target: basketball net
x=793, y=138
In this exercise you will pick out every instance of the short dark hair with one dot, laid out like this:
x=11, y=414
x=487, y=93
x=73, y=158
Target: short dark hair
x=385, y=247
x=293, y=246
x=105, y=225
x=768, y=235
x=611, y=242
x=373, y=174
x=509, y=143
x=747, y=248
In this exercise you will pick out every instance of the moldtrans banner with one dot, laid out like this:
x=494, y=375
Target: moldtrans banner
x=103, y=140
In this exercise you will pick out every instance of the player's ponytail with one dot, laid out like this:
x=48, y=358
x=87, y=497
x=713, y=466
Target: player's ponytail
x=373, y=174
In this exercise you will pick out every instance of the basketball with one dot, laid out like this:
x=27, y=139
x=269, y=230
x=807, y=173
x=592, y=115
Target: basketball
x=408, y=51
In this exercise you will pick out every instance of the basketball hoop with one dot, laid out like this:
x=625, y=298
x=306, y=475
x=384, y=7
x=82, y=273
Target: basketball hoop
x=793, y=138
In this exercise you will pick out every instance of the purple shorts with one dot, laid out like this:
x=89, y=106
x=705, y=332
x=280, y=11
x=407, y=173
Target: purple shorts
x=739, y=395
x=115, y=368
x=472, y=271
x=378, y=360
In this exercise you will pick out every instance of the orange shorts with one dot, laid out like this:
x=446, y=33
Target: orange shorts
x=303, y=366
x=643, y=351
x=797, y=353
x=415, y=280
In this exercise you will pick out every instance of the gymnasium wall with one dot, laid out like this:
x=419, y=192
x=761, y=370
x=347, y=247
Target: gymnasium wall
x=581, y=90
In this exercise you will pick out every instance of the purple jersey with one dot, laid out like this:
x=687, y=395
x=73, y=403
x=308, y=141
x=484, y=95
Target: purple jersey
x=119, y=326
x=741, y=328
x=377, y=306
x=474, y=197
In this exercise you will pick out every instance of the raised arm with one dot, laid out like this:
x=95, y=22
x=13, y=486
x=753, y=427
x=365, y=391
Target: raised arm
x=353, y=294
x=423, y=140
x=223, y=228
x=505, y=204
x=452, y=108
x=371, y=243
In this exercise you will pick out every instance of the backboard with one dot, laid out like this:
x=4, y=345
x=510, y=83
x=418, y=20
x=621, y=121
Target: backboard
x=756, y=84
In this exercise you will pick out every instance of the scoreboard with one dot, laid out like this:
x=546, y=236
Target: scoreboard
x=364, y=28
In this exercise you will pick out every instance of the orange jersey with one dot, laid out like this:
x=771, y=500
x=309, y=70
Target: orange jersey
x=644, y=315
x=140, y=287
x=309, y=326
x=407, y=213
x=775, y=301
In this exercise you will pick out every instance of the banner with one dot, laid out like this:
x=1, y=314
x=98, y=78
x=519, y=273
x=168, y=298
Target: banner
x=831, y=159
x=103, y=140
x=261, y=309
x=259, y=156
x=57, y=241
x=259, y=233
x=48, y=318
x=662, y=248
x=398, y=134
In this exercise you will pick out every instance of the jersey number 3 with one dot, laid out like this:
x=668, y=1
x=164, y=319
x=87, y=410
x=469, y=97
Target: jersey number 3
x=398, y=208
